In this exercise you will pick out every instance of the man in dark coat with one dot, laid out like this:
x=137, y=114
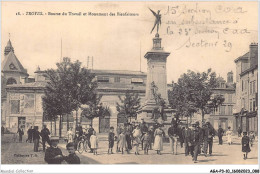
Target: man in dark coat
x=143, y=129
x=90, y=132
x=173, y=137
x=36, y=138
x=45, y=136
x=239, y=131
x=29, y=132
x=194, y=141
x=20, y=132
x=79, y=130
x=2, y=130
x=209, y=133
x=53, y=154
x=201, y=132
x=220, y=135
x=185, y=134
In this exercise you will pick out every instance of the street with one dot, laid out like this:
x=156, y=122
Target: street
x=22, y=153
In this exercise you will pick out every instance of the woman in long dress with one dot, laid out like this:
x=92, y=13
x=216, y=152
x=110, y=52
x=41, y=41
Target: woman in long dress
x=158, y=140
x=94, y=143
x=137, y=139
x=122, y=141
x=229, y=136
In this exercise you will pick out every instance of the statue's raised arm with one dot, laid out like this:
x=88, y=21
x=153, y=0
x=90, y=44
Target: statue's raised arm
x=157, y=20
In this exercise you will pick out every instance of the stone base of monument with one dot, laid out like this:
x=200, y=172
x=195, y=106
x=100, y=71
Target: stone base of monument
x=146, y=113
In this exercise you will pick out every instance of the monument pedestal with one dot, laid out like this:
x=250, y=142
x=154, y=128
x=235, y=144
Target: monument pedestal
x=156, y=74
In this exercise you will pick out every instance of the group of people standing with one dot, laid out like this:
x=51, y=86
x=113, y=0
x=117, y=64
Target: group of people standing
x=34, y=136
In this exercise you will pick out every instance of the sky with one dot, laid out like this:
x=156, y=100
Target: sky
x=198, y=35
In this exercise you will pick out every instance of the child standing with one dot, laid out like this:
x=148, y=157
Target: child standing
x=111, y=140
x=94, y=142
x=70, y=135
x=251, y=138
x=245, y=145
x=146, y=140
x=72, y=158
x=122, y=141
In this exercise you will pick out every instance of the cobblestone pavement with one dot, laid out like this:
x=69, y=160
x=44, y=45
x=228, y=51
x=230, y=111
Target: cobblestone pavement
x=22, y=153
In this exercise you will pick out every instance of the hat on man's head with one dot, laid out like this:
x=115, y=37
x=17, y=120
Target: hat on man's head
x=244, y=133
x=54, y=138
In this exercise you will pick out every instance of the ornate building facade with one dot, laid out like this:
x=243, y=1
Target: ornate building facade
x=247, y=90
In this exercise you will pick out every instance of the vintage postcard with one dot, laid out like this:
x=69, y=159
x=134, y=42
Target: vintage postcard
x=129, y=83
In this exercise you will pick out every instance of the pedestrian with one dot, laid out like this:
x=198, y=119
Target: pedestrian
x=45, y=136
x=239, y=131
x=201, y=132
x=245, y=145
x=29, y=133
x=229, y=136
x=70, y=135
x=94, y=142
x=137, y=134
x=220, y=135
x=173, y=137
x=146, y=142
x=79, y=129
x=209, y=133
x=36, y=138
x=111, y=140
x=118, y=131
x=122, y=141
x=90, y=132
x=252, y=138
x=158, y=140
x=20, y=132
x=53, y=154
x=72, y=158
x=143, y=129
x=195, y=141
x=2, y=130
x=181, y=138
x=151, y=133
x=76, y=140
x=128, y=136
x=186, y=133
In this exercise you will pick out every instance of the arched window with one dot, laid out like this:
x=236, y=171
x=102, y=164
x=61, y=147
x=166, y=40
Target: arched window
x=11, y=81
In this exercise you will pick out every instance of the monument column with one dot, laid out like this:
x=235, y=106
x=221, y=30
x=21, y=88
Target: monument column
x=156, y=83
x=156, y=71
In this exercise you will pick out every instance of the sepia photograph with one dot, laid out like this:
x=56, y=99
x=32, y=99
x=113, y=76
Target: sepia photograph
x=129, y=83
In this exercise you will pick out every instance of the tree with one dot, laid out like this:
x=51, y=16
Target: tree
x=69, y=86
x=179, y=100
x=94, y=108
x=193, y=93
x=129, y=104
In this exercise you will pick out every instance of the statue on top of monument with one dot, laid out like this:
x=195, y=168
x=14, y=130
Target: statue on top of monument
x=157, y=20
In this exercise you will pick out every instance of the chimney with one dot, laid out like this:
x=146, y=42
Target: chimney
x=230, y=77
x=253, y=54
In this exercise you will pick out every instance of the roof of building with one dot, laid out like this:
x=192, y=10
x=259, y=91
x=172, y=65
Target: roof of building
x=33, y=85
x=101, y=86
x=248, y=70
x=121, y=72
x=244, y=57
x=11, y=63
